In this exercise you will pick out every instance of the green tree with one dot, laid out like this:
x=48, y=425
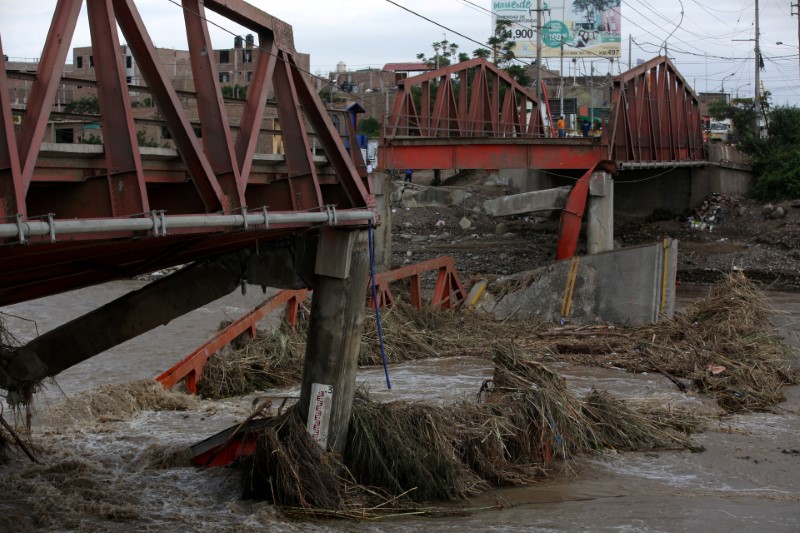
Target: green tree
x=235, y=91
x=501, y=44
x=743, y=115
x=370, y=127
x=142, y=140
x=590, y=8
x=501, y=51
x=776, y=159
x=92, y=139
x=88, y=105
x=444, y=53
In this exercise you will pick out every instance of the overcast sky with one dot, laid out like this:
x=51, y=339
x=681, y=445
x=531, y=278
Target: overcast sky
x=370, y=33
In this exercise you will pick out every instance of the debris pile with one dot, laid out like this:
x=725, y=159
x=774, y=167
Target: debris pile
x=274, y=360
x=724, y=345
x=401, y=455
x=709, y=213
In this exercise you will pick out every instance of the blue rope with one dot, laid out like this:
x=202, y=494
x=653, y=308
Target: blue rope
x=375, y=301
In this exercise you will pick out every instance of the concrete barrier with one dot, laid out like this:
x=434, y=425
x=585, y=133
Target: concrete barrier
x=627, y=287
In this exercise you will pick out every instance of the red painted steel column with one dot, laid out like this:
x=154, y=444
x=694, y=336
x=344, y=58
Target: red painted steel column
x=210, y=105
x=331, y=141
x=303, y=181
x=126, y=185
x=253, y=111
x=168, y=103
x=12, y=199
x=43, y=90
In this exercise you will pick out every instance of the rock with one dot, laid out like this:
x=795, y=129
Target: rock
x=740, y=211
x=501, y=228
x=767, y=210
x=416, y=239
x=778, y=212
x=406, y=236
x=476, y=209
x=409, y=253
x=508, y=235
x=465, y=223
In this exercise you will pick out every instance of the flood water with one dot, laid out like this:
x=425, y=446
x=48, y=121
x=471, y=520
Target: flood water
x=123, y=471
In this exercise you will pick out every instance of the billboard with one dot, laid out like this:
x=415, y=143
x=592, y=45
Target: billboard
x=586, y=28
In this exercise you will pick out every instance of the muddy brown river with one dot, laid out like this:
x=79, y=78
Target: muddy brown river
x=120, y=472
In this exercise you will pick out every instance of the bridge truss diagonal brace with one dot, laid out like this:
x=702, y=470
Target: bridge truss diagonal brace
x=186, y=142
x=126, y=186
x=43, y=90
x=12, y=197
x=217, y=139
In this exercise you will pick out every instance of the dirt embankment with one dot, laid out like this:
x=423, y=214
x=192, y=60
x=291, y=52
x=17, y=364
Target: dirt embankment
x=721, y=235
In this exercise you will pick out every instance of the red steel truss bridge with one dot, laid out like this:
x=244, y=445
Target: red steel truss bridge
x=472, y=115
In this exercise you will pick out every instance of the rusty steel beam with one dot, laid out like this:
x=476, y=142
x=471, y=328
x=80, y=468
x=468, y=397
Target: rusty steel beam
x=122, y=319
x=355, y=188
x=253, y=112
x=126, y=187
x=478, y=115
x=655, y=116
x=304, y=188
x=12, y=197
x=190, y=148
x=547, y=154
x=43, y=90
x=217, y=139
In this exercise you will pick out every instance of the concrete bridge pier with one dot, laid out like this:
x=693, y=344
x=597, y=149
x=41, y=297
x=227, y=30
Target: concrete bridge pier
x=334, y=336
x=600, y=216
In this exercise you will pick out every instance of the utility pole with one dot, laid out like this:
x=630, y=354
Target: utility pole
x=561, y=72
x=796, y=13
x=538, y=48
x=630, y=51
x=758, y=77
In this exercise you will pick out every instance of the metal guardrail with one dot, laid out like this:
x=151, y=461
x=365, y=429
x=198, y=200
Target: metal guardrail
x=448, y=293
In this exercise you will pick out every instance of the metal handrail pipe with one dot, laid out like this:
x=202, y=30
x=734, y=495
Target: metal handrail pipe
x=160, y=224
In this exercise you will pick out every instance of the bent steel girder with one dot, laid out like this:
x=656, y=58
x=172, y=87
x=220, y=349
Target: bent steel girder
x=208, y=176
x=288, y=265
x=655, y=116
x=474, y=98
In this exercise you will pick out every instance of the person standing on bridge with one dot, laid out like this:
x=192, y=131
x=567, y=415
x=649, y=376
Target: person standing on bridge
x=560, y=127
x=409, y=174
x=585, y=127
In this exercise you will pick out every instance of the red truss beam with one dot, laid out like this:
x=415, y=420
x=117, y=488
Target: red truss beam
x=655, y=116
x=127, y=193
x=213, y=174
x=11, y=193
x=497, y=106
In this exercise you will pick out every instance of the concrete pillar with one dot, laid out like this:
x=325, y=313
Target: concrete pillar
x=382, y=186
x=334, y=336
x=600, y=220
